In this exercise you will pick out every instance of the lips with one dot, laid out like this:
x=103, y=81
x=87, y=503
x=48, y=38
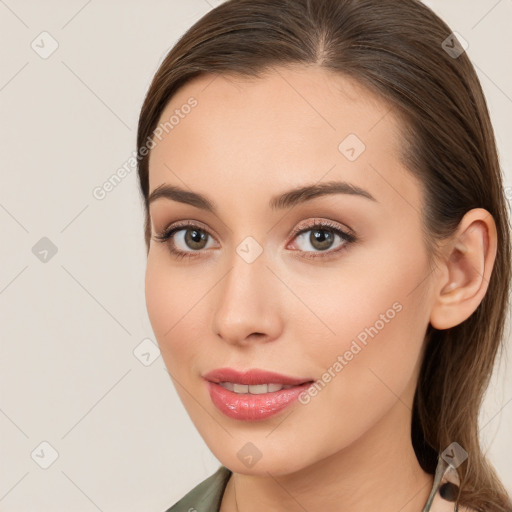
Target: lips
x=253, y=377
x=248, y=406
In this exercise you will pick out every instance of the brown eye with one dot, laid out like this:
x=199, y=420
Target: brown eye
x=185, y=241
x=321, y=236
x=194, y=238
x=321, y=239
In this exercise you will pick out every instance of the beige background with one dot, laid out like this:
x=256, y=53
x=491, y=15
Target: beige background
x=69, y=326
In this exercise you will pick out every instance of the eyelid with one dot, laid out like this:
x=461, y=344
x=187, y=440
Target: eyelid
x=323, y=224
x=180, y=224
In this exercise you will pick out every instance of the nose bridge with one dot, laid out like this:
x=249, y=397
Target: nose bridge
x=246, y=299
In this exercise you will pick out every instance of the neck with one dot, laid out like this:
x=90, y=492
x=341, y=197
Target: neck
x=379, y=471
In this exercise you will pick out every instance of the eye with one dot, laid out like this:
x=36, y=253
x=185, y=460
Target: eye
x=322, y=236
x=188, y=240
x=182, y=236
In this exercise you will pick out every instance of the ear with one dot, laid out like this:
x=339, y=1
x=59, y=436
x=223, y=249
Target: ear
x=464, y=270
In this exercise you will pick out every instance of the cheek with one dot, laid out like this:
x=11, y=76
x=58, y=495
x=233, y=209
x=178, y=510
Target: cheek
x=373, y=358
x=375, y=294
x=173, y=302
x=377, y=314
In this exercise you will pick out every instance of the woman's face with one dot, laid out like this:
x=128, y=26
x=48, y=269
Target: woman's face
x=261, y=288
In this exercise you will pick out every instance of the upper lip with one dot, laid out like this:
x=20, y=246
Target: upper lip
x=253, y=376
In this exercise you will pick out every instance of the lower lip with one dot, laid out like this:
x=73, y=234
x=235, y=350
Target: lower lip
x=249, y=407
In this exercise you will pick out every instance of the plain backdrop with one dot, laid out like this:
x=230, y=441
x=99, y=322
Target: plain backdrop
x=79, y=394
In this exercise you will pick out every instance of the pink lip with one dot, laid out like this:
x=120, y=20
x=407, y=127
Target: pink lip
x=249, y=407
x=253, y=376
x=253, y=407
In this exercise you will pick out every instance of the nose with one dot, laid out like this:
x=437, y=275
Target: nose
x=247, y=303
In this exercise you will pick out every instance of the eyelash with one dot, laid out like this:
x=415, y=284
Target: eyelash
x=348, y=238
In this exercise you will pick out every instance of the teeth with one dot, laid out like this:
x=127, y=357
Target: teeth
x=240, y=388
x=257, y=389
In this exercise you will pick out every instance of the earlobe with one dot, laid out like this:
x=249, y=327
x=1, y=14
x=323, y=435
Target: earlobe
x=466, y=270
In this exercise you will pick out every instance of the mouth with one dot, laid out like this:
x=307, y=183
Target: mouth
x=254, y=394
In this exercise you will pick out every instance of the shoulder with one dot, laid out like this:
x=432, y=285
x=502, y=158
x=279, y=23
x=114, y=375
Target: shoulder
x=205, y=496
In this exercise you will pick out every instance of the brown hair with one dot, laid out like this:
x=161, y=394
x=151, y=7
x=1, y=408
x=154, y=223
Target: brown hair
x=395, y=48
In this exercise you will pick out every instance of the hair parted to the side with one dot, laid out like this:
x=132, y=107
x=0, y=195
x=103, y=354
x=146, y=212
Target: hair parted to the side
x=394, y=48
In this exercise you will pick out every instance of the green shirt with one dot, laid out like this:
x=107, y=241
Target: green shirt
x=207, y=495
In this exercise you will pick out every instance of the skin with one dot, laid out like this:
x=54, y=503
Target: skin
x=244, y=142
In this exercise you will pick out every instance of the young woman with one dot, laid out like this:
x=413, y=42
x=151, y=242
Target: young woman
x=329, y=255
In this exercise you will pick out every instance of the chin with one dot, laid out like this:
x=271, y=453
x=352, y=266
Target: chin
x=275, y=465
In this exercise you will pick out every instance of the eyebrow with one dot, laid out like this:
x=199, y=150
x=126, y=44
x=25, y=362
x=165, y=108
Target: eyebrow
x=282, y=201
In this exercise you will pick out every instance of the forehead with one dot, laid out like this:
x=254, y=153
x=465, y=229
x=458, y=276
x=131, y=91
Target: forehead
x=292, y=125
